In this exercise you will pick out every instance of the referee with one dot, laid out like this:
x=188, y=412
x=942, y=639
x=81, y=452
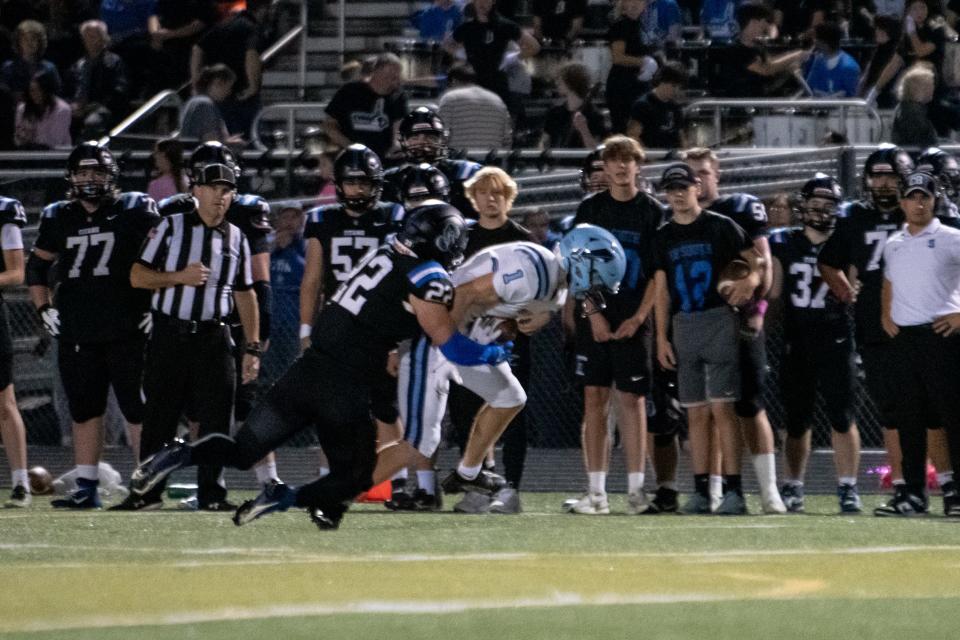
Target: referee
x=921, y=312
x=198, y=266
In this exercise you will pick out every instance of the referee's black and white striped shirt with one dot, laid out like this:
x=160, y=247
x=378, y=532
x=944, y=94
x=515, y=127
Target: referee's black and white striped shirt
x=181, y=239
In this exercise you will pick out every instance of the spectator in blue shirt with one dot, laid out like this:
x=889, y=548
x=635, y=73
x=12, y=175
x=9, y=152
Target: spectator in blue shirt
x=719, y=19
x=662, y=20
x=437, y=21
x=832, y=72
x=287, y=262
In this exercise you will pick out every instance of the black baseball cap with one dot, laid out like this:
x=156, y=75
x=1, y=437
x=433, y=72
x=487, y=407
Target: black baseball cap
x=678, y=173
x=919, y=181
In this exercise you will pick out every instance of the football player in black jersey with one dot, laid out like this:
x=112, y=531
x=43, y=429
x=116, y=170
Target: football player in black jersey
x=398, y=290
x=612, y=342
x=750, y=214
x=818, y=347
x=98, y=317
x=850, y=263
x=423, y=182
x=423, y=138
x=251, y=214
x=12, y=431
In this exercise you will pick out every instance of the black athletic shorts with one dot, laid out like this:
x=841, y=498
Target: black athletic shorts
x=6, y=348
x=882, y=370
x=624, y=363
x=753, y=374
x=89, y=370
x=824, y=360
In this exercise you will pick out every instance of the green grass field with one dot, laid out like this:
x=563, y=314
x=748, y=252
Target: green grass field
x=542, y=574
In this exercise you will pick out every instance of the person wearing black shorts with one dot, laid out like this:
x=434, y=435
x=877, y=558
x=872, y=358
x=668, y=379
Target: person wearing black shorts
x=98, y=317
x=818, y=348
x=14, y=435
x=612, y=342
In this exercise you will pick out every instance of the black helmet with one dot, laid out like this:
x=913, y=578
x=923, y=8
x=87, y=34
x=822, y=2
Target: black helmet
x=423, y=182
x=820, y=186
x=358, y=162
x=92, y=155
x=212, y=162
x=592, y=163
x=435, y=231
x=423, y=121
x=944, y=167
x=888, y=159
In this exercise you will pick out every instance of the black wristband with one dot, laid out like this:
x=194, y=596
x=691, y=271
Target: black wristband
x=264, y=306
x=253, y=349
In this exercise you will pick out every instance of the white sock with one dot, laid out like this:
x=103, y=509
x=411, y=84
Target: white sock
x=597, y=481
x=716, y=486
x=20, y=477
x=635, y=482
x=426, y=480
x=765, y=466
x=468, y=472
x=400, y=475
x=851, y=480
x=266, y=472
x=88, y=471
x=944, y=477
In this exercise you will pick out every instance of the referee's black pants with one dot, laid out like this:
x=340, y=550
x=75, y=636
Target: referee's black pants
x=928, y=388
x=182, y=366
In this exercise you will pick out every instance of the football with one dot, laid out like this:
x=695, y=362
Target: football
x=508, y=330
x=41, y=482
x=737, y=270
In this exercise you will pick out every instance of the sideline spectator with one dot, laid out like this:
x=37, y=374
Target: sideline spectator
x=632, y=68
x=832, y=72
x=779, y=211
x=485, y=39
x=575, y=123
x=656, y=119
x=328, y=190
x=558, y=21
x=170, y=177
x=99, y=82
x=750, y=73
x=437, y=21
x=174, y=28
x=797, y=19
x=886, y=37
x=201, y=118
x=127, y=22
x=287, y=262
x=8, y=117
x=719, y=18
x=236, y=42
x=662, y=21
x=30, y=41
x=476, y=118
x=537, y=222
x=912, y=126
x=369, y=111
x=43, y=119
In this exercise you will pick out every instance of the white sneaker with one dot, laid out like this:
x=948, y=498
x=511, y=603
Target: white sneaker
x=506, y=501
x=771, y=502
x=592, y=504
x=715, y=501
x=638, y=503
x=473, y=502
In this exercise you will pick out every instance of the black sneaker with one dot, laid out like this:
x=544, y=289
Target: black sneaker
x=85, y=496
x=792, y=496
x=400, y=501
x=217, y=505
x=951, y=500
x=486, y=483
x=133, y=502
x=665, y=501
x=328, y=518
x=903, y=505
x=849, y=499
x=19, y=498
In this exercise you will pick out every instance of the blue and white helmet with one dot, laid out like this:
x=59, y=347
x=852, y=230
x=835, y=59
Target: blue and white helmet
x=594, y=261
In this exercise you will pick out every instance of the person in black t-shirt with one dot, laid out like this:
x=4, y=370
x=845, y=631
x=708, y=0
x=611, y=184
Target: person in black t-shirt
x=558, y=20
x=368, y=112
x=691, y=251
x=630, y=54
x=748, y=71
x=575, y=123
x=485, y=39
x=174, y=28
x=656, y=119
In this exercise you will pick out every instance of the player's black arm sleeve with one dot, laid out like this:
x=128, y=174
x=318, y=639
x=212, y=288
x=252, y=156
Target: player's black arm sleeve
x=264, y=306
x=38, y=271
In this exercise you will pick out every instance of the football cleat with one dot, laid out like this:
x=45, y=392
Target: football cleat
x=664, y=501
x=400, y=501
x=217, y=505
x=133, y=502
x=506, y=501
x=328, y=518
x=951, y=500
x=792, y=495
x=474, y=503
x=157, y=467
x=695, y=505
x=20, y=498
x=733, y=504
x=638, y=503
x=275, y=497
x=592, y=504
x=903, y=505
x=85, y=496
x=486, y=483
x=849, y=499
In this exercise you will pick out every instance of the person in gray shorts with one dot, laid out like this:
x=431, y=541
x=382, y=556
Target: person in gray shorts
x=691, y=251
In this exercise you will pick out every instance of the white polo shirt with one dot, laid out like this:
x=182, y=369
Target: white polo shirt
x=924, y=270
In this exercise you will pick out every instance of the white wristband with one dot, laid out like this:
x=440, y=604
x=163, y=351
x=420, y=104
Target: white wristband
x=305, y=331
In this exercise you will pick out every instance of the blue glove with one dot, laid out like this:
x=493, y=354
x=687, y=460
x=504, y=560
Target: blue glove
x=494, y=354
x=460, y=349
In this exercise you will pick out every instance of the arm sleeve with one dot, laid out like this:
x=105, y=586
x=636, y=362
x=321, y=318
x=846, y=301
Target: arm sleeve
x=154, y=250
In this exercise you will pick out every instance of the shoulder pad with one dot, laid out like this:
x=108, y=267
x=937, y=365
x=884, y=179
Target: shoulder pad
x=427, y=271
x=471, y=223
x=52, y=210
x=180, y=203
x=257, y=210
x=137, y=200
x=467, y=169
x=12, y=212
x=394, y=212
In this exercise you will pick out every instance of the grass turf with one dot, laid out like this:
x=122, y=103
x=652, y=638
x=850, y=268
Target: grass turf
x=542, y=574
